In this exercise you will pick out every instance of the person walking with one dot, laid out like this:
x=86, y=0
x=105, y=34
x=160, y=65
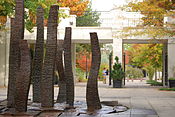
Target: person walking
x=107, y=76
x=104, y=75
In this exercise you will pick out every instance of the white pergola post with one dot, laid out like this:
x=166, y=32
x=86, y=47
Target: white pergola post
x=4, y=54
x=117, y=49
x=171, y=58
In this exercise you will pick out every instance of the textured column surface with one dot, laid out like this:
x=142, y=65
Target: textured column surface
x=17, y=33
x=92, y=96
x=62, y=81
x=19, y=19
x=13, y=66
x=38, y=56
x=23, y=79
x=47, y=83
x=68, y=67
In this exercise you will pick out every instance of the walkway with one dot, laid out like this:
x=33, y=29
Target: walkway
x=138, y=96
x=143, y=100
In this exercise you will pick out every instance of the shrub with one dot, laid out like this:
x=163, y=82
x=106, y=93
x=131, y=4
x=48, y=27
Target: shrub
x=172, y=78
x=80, y=75
x=133, y=72
x=117, y=72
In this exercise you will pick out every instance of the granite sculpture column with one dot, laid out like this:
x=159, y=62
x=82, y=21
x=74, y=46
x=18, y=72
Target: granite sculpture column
x=92, y=96
x=68, y=67
x=23, y=78
x=17, y=33
x=47, y=83
x=13, y=65
x=60, y=67
x=38, y=56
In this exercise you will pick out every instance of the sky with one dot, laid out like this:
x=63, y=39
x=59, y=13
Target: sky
x=105, y=5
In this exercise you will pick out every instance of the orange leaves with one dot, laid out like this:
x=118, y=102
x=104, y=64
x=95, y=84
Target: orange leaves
x=84, y=62
x=77, y=7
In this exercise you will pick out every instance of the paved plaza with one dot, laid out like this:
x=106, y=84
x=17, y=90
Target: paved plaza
x=143, y=100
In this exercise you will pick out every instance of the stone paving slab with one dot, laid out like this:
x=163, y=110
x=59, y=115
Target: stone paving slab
x=137, y=95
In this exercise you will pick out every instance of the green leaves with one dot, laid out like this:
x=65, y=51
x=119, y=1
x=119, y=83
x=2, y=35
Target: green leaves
x=90, y=18
x=6, y=7
x=153, y=13
x=117, y=72
x=146, y=56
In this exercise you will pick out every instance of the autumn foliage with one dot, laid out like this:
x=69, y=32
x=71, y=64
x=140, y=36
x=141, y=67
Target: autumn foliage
x=81, y=62
x=77, y=7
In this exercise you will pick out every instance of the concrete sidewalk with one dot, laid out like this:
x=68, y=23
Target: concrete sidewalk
x=138, y=96
x=142, y=99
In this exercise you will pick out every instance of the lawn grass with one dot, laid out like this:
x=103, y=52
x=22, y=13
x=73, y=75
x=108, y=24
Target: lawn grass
x=154, y=83
x=167, y=89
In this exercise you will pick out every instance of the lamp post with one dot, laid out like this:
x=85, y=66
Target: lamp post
x=124, y=56
x=86, y=68
x=110, y=67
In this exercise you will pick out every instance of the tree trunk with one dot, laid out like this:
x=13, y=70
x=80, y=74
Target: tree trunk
x=92, y=96
x=62, y=82
x=68, y=67
x=23, y=79
x=47, y=83
x=38, y=56
x=155, y=74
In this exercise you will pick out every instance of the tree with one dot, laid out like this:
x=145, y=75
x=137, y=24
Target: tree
x=92, y=96
x=83, y=62
x=6, y=9
x=77, y=7
x=153, y=12
x=147, y=56
x=90, y=18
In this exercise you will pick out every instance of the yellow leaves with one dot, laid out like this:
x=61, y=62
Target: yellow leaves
x=77, y=7
x=3, y=19
x=42, y=5
x=1, y=7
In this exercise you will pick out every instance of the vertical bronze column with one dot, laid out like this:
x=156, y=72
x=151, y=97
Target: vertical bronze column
x=68, y=67
x=38, y=56
x=47, y=83
x=92, y=96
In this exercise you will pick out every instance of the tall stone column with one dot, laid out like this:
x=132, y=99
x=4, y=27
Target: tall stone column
x=38, y=56
x=47, y=83
x=117, y=49
x=60, y=67
x=171, y=56
x=68, y=67
x=92, y=95
x=74, y=60
x=22, y=78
